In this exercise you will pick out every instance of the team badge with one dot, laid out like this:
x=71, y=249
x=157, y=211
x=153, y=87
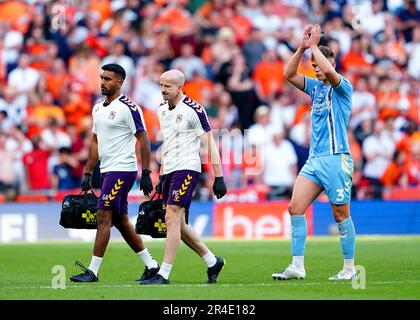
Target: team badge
x=175, y=195
x=178, y=118
x=112, y=115
x=104, y=197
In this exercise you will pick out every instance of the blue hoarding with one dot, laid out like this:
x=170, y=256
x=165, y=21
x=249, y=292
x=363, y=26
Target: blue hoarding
x=373, y=217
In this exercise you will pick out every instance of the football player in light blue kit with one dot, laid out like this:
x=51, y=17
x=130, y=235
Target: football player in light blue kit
x=329, y=167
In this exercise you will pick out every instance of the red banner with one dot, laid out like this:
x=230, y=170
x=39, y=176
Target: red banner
x=254, y=220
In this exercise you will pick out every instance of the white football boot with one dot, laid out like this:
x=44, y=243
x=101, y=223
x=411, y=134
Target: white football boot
x=291, y=272
x=345, y=274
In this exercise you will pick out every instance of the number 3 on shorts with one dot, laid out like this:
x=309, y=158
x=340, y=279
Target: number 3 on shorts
x=340, y=195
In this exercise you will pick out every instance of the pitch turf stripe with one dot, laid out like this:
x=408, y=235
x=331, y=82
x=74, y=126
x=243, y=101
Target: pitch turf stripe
x=277, y=283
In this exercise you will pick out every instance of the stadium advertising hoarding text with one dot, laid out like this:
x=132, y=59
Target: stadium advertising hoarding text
x=254, y=220
x=31, y=222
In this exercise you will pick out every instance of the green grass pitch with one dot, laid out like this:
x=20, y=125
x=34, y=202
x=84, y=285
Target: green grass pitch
x=391, y=265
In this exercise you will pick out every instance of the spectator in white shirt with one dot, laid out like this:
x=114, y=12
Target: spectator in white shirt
x=280, y=166
x=378, y=150
x=24, y=78
x=53, y=137
x=124, y=61
x=188, y=63
x=13, y=105
x=261, y=131
x=413, y=48
x=364, y=103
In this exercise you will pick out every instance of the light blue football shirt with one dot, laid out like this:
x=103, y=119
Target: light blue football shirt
x=330, y=112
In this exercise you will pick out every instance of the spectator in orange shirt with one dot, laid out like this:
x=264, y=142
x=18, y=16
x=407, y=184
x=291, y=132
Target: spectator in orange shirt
x=210, y=14
x=394, y=48
x=46, y=109
x=152, y=123
x=394, y=171
x=84, y=66
x=354, y=61
x=181, y=25
x=76, y=108
x=102, y=7
x=387, y=97
x=37, y=47
x=195, y=86
x=411, y=171
x=406, y=142
x=57, y=79
x=267, y=76
x=17, y=13
x=234, y=18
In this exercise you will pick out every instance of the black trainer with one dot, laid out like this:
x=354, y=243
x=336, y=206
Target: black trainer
x=86, y=276
x=157, y=279
x=214, y=271
x=148, y=273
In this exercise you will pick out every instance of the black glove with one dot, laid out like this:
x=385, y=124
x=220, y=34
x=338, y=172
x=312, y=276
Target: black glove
x=159, y=185
x=86, y=182
x=145, y=182
x=219, y=187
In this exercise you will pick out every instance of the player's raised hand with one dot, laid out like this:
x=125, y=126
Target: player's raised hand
x=145, y=182
x=219, y=187
x=315, y=35
x=306, y=35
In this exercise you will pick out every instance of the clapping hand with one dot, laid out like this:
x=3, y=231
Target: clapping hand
x=315, y=35
x=306, y=35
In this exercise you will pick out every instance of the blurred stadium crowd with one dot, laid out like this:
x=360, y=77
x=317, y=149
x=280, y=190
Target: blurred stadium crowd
x=233, y=54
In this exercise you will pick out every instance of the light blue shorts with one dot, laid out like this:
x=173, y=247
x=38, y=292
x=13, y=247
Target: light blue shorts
x=333, y=173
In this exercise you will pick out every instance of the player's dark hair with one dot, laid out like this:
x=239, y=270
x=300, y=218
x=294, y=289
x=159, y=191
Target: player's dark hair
x=327, y=52
x=116, y=68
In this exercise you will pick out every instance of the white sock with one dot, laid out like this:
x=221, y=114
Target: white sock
x=147, y=259
x=165, y=270
x=95, y=264
x=349, y=264
x=298, y=261
x=210, y=259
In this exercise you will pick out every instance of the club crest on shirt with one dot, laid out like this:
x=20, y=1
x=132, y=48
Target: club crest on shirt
x=112, y=115
x=319, y=107
x=178, y=118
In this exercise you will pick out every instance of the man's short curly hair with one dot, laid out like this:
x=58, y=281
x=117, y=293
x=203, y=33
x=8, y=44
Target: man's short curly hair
x=326, y=51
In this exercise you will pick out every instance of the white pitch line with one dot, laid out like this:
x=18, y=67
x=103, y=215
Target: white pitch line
x=278, y=283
